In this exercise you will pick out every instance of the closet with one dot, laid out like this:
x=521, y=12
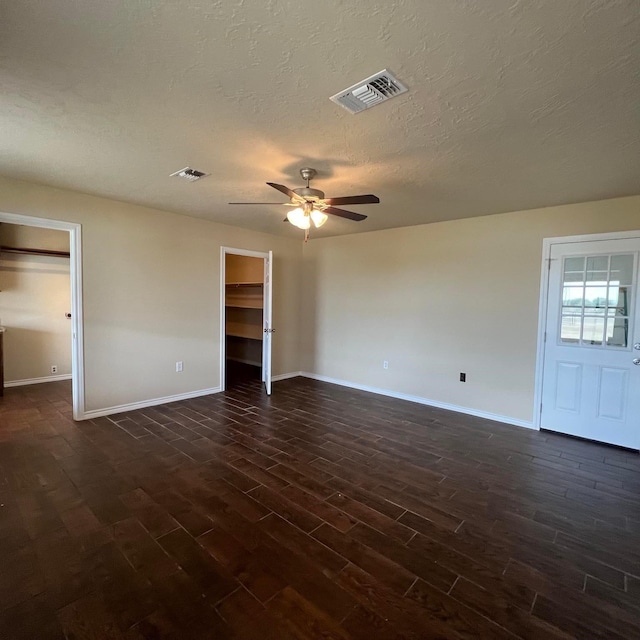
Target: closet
x=244, y=327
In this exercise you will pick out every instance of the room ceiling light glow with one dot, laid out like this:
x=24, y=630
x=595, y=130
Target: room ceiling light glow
x=303, y=217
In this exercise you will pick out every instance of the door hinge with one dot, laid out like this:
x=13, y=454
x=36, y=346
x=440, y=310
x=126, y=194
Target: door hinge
x=545, y=337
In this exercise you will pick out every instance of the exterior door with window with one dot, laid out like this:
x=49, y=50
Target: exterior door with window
x=591, y=375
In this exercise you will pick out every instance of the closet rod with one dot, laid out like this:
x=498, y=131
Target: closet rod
x=37, y=252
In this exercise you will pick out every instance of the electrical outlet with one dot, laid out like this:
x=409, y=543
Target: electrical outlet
x=385, y=364
x=54, y=368
x=179, y=366
x=463, y=377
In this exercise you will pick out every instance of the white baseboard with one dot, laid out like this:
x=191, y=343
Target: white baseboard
x=121, y=408
x=426, y=401
x=286, y=376
x=26, y=381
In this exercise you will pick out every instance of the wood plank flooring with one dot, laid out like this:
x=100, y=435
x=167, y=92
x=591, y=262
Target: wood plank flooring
x=321, y=512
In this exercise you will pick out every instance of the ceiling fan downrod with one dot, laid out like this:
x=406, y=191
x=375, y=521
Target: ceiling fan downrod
x=308, y=174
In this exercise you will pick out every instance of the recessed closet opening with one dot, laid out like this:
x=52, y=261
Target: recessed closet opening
x=35, y=306
x=246, y=321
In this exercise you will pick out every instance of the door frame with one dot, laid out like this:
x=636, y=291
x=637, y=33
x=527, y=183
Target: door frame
x=547, y=244
x=77, y=314
x=223, y=311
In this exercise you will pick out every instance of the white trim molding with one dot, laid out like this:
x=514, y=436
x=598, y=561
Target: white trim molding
x=527, y=424
x=27, y=381
x=77, y=314
x=132, y=406
x=286, y=376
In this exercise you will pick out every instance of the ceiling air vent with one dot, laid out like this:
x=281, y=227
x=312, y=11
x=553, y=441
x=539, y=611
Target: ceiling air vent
x=370, y=92
x=189, y=174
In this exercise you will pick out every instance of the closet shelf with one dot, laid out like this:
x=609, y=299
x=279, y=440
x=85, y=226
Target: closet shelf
x=240, y=330
x=244, y=304
x=243, y=284
x=35, y=252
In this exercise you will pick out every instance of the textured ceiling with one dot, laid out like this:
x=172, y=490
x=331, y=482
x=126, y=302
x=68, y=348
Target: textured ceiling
x=513, y=104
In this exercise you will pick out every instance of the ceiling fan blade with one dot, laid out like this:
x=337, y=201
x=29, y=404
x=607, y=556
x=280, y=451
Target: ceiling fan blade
x=349, y=215
x=254, y=202
x=369, y=198
x=285, y=190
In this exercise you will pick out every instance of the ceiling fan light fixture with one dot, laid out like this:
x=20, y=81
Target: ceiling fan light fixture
x=309, y=206
x=299, y=218
x=318, y=218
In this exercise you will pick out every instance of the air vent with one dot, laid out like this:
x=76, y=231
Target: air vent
x=370, y=92
x=189, y=174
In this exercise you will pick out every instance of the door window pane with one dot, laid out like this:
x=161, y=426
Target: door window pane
x=572, y=296
x=595, y=300
x=570, y=329
x=592, y=330
x=597, y=268
x=619, y=299
x=622, y=269
x=596, y=297
x=573, y=311
x=574, y=270
x=617, y=331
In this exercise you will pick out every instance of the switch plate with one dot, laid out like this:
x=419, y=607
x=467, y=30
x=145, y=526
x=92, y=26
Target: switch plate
x=463, y=377
x=179, y=366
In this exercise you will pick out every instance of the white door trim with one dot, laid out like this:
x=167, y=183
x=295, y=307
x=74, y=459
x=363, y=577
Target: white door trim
x=77, y=317
x=547, y=243
x=223, y=280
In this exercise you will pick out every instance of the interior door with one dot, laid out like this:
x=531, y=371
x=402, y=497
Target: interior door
x=591, y=375
x=268, y=329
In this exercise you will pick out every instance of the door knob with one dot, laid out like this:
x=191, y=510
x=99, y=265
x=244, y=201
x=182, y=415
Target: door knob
x=636, y=361
x=636, y=346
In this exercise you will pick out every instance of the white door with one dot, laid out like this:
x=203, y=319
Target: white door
x=268, y=329
x=591, y=375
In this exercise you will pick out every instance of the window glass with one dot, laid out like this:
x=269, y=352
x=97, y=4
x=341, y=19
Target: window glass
x=595, y=300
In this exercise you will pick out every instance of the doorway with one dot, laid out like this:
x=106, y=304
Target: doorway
x=75, y=272
x=246, y=317
x=589, y=372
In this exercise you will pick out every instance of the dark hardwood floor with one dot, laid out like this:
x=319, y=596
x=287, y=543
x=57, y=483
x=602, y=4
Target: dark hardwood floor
x=321, y=512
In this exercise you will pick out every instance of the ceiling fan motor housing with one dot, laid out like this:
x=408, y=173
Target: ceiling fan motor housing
x=308, y=192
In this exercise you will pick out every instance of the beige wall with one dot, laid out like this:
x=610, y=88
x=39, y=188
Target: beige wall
x=152, y=293
x=435, y=300
x=34, y=297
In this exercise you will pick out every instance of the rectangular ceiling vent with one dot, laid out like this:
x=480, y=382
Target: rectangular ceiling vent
x=189, y=174
x=370, y=92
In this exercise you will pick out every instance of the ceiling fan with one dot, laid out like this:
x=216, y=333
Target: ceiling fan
x=311, y=207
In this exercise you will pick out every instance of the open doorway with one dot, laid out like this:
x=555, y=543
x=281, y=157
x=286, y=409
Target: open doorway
x=35, y=302
x=36, y=353
x=246, y=318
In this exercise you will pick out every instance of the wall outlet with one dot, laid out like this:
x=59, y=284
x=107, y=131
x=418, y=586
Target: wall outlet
x=463, y=377
x=385, y=364
x=54, y=368
x=179, y=366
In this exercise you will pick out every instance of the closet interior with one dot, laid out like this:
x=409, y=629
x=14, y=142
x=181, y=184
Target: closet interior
x=244, y=302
